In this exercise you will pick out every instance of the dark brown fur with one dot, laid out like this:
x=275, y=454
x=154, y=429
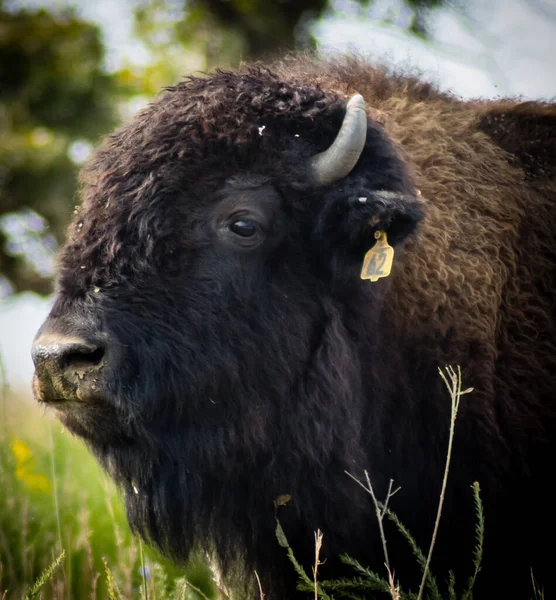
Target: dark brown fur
x=314, y=371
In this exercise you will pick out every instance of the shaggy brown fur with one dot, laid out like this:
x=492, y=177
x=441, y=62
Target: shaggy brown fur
x=312, y=371
x=479, y=281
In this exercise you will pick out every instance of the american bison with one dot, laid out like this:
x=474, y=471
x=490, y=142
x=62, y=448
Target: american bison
x=214, y=343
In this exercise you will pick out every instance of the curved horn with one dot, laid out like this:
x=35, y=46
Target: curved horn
x=337, y=161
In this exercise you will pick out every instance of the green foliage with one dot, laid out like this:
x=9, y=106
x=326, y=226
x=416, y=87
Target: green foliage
x=113, y=590
x=480, y=535
x=305, y=582
x=366, y=581
x=258, y=29
x=224, y=32
x=54, y=93
x=37, y=459
x=48, y=573
x=52, y=72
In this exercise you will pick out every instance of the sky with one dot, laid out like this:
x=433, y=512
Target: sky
x=497, y=48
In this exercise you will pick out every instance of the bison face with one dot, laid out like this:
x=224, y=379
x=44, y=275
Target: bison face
x=203, y=295
x=131, y=347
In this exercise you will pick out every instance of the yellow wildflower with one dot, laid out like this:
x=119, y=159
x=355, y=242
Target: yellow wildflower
x=25, y=468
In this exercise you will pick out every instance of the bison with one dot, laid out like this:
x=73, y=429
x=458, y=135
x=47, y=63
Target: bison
x=215, y=342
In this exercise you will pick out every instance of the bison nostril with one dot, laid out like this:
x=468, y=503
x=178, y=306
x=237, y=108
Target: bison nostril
x=66, y=368
x=83, y=357
x=57, y=355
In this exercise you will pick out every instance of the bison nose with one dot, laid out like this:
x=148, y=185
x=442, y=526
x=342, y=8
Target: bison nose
x=66, y=368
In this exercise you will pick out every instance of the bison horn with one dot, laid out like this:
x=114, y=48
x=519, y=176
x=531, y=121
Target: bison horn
x=337, y=162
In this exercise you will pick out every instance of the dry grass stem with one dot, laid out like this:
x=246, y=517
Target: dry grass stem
x=195, y=589
x=261, y=593
x=538, y=593
x=380, y=509
x=394, y=587
x=318, y=546
x=452, y=380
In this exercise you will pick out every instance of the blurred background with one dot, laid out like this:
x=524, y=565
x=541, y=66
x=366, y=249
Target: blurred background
x=71, y=71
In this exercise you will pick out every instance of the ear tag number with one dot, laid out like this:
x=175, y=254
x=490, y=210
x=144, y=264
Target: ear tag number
x=378, y=260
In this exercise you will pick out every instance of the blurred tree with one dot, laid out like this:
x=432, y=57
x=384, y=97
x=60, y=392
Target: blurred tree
x=227, y=31
x=55, y=99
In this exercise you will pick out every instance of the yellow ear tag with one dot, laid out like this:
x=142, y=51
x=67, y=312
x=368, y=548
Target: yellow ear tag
x=378, y=260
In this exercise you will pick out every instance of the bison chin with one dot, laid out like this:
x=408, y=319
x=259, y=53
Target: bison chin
x=177, y=494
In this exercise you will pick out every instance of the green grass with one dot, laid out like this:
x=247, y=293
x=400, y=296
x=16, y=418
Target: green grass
x=54, y=498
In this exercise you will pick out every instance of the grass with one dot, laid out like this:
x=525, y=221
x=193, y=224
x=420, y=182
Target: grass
x=63, y=532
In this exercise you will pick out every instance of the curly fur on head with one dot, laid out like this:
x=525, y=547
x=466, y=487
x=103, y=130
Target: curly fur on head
x=238, y=373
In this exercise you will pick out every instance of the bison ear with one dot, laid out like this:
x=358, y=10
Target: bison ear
x=349, y=217
x=527, y=131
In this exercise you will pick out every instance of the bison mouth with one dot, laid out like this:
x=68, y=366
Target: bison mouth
x=99, y=424
x=78, y=404
x=64, y=396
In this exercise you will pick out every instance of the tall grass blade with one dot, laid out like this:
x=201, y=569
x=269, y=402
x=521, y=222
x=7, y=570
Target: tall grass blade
x=55, y=485
x=143, y=571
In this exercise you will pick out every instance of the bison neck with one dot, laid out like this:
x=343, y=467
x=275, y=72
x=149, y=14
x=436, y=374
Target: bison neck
x=366, y=398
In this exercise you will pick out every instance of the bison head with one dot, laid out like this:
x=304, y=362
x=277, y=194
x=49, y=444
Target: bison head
x=206, y=334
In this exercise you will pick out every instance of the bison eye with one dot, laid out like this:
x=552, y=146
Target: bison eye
x=244, y=228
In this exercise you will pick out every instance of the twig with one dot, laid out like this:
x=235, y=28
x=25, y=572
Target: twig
x=379, y=508
x=380, y=517
x=454, y=387
x=389, y=494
